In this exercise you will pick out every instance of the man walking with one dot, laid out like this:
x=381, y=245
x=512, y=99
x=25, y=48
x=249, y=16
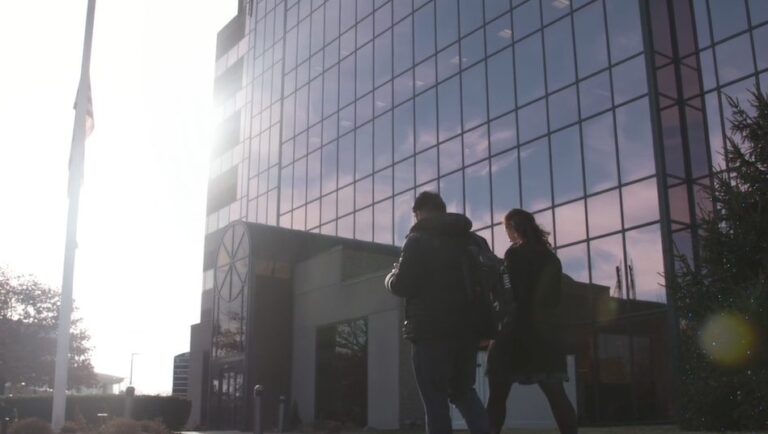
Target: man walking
x=437, y=320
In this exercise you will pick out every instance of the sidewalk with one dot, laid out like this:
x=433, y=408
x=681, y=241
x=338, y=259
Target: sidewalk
x=606, y=430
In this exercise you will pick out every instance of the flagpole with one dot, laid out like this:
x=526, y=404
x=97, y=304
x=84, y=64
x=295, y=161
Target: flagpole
x=76, y=157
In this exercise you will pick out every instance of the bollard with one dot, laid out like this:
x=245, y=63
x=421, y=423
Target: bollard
x=258, y=390
x=130, y=391
x=281, y=415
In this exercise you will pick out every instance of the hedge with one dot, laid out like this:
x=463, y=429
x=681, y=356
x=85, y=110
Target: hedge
x=172, y=411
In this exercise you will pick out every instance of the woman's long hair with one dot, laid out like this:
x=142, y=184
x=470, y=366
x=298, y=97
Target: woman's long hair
x=526, y=227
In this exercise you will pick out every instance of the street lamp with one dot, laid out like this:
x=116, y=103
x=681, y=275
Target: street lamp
x=130, y=378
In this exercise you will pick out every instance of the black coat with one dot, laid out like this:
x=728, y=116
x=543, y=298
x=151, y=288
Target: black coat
x=529, y=348
x=429, y=276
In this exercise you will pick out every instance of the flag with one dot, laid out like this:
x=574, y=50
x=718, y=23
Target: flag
x=89, y=121
x=84, y=124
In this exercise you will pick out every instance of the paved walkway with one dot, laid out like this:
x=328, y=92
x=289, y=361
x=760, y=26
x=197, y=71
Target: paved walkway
x=607, y=430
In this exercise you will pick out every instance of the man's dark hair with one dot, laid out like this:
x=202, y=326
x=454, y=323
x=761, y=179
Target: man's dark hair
x=428, y=201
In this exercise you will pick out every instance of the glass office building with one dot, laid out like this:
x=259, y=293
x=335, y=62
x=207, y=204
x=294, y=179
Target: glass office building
x=602, y=117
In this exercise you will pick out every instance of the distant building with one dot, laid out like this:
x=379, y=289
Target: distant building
x=602, y=117
x=105, y=385
x=180, y=375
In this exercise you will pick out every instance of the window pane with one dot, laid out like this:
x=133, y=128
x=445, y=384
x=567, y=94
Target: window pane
x=364, y=224
x=471, y=16
x=534, y=164
x=472, y=48
x=498, y=34
x=313, y=176
x=404, y=175
x=571, y=223
x=300, y=182
x=563, y=108
x=645, y=264
x=346, y=226
x=329, y=168
x=599, y=153
x=331, y=91
x=331, y=20
x=365, y=69
x=503, y=133
x=501, y=83
x=364, y=151
x=424, y=27
x=475, y=145
x=728, y=17
x=382, y=143
x=604, y=213
x=426, y=120
x=452, y=191
x=426, y=166
x=734, y=59
x=383, y=18
x=447, y=22
x=403, y=120
x=526, y=19
x=403, y=215
x=566, y=165
x=382, y=184
x=382, y=99
x=641, y=203
x=328, y=208
x=450, y=155
x=758, y=11
x=448, y=62
x=403, y=87
x=473, y=96
x=478, y=194
x=529, y=66
x=554, y=9
x=574, y=261
x=595, y=94
x=382, y=222
x=558, y=41
x=624, y=32
x=364, y=109
x=403, y=45
x=346, y=202
x=633, y=128
x=401, y=8
x=506, y=184
x=607, y=261
x=629, y=80
x=449, y=108
x=425, y=75
x=315, y=101
x=590, y=39
x=346, y=159
x=383, y=58
x=364, y=31
x=533, y=120
x=347, y=83
x=364, y=192
x=494, y=7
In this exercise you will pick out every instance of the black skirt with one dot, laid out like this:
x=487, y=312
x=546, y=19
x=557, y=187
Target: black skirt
x=528, y=355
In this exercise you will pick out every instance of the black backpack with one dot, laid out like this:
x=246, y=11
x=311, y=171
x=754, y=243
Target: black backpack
x=484, y=277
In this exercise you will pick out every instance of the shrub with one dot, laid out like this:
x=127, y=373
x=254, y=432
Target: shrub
x=121, y=426
x=172, y=411
x=31, y=426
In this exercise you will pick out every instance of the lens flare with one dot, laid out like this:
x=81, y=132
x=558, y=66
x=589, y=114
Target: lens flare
x=729, y=339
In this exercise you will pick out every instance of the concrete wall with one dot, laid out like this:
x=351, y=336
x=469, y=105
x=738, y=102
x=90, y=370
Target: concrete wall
x=322, y=296
x=199, y=352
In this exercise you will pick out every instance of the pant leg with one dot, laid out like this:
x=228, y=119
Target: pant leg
x=462, y=389
x=432, y=368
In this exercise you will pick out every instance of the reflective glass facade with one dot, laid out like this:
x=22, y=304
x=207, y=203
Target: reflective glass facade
x=602, y=117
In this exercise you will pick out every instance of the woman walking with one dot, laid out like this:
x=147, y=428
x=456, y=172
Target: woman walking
x=528, y=348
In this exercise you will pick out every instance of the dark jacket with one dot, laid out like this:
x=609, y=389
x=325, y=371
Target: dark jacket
x=429, y=276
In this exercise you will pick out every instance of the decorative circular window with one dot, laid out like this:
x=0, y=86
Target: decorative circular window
x=233, y=262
